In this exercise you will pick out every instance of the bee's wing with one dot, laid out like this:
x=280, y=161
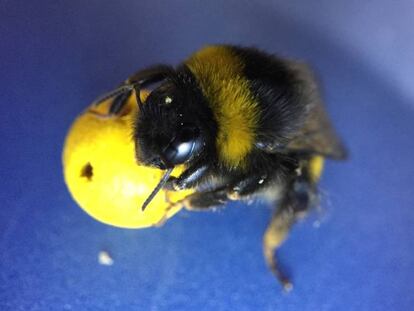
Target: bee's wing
x=318, y=136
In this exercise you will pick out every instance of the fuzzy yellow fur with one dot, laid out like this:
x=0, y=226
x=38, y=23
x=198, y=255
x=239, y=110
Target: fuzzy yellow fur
x=220, y=75
x=315, y=167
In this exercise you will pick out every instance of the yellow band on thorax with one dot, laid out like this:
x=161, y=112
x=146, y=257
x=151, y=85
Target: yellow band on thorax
x=219, y=73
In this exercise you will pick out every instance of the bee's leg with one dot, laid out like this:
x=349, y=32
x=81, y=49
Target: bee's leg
x=197, y=201
x=140, y=79
x=203, y=201
x=235, y=191
x=150, y=75
x=300, y=196
x=246, y=186
x=189, y=178
x=119, y=102
x=119, y=97
x=273, y=238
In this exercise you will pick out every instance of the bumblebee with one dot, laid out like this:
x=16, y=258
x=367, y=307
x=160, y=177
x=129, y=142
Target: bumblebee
x=244, y=124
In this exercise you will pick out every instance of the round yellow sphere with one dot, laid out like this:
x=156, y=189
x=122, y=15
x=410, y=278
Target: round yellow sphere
x=102, y=175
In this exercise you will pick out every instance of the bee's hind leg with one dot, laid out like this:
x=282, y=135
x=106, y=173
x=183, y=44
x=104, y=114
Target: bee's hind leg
x=273, y=238
x=298, y=199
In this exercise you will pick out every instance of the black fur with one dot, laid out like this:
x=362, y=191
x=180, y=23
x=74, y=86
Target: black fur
x=274, y=85
x=284, y=99
x=157, y=123
x=289, y=110
x=278, y=90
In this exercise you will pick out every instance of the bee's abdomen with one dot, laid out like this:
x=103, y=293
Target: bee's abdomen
x=280, y=90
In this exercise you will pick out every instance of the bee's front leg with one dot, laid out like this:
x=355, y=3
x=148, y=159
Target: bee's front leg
x=190, y=178
x=140, y=79
x=206, y=200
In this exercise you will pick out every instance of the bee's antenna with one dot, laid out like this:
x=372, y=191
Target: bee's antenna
x=157, y=188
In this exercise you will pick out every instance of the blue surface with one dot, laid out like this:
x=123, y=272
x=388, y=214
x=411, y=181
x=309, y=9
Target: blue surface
x=56, y=57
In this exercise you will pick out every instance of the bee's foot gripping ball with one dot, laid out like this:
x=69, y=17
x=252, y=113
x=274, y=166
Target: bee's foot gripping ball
x=103, y=177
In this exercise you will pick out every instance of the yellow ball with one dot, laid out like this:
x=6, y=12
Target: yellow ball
x=102, y=175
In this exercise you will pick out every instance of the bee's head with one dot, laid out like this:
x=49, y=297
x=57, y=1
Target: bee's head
x=167, y=129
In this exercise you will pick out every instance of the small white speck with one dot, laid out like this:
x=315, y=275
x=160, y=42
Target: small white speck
x=105, y=259
x=261, y=181
x=168, y=100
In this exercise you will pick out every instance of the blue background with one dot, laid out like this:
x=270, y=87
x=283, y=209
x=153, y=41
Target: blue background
x=57, y=56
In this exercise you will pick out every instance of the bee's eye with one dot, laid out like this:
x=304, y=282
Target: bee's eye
x=186, y=143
